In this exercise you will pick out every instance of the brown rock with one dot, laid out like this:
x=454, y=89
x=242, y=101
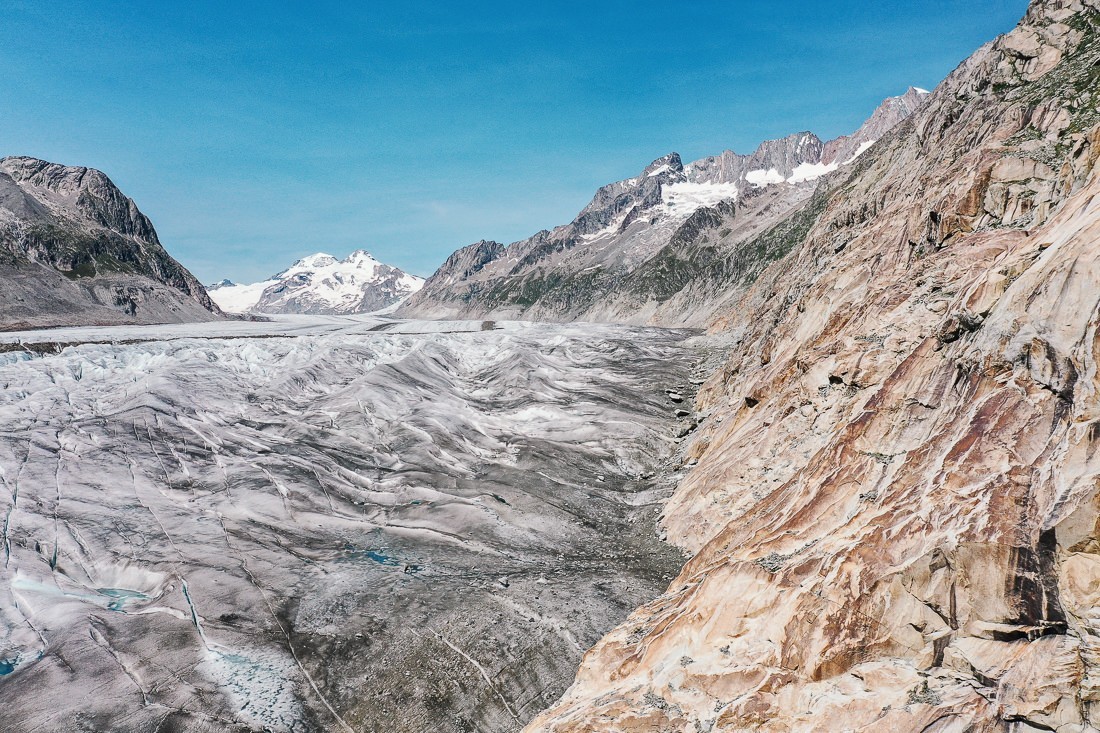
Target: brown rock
x=920, y=551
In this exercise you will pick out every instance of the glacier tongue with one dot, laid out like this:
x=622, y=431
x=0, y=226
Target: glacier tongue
x=324, y=523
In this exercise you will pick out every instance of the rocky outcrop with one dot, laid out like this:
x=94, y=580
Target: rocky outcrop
x=888, y=115
x=75, y=251
x=636, y=252
x=469, y=260
x=894, y=514
x=614, y=202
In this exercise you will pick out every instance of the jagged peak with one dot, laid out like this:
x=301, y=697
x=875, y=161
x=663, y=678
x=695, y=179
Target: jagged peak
x=666, y=163
x=794, y=142
x=318, y=259
x=469, y=259
x=889, y=113
x=481, y=248
x=362, y=256
x=81, y=194
x=803, y=138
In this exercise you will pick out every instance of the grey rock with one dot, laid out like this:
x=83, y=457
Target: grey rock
x=891, y=112
x=75, y=251
x=666, y=247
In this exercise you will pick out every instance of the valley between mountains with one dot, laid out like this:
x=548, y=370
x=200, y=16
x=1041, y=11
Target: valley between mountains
x=326, y=523
x=800, y=440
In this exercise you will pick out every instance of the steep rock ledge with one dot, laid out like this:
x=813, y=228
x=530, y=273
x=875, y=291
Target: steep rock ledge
x=895, y=520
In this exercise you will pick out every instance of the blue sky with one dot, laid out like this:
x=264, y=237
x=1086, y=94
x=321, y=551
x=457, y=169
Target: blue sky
x=253, y=133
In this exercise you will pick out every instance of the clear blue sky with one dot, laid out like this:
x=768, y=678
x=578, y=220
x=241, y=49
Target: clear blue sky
x=256, y=132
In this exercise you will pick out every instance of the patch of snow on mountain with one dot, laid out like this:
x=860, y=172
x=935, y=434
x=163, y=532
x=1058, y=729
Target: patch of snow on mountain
x=860, y=151
x=611, y=228
x=811, y=171
x=314, y=261
x=240, y=298
x=684, y=198
x=762, y=178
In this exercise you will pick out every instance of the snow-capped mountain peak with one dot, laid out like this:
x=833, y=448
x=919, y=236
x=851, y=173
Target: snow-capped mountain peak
x=643, y=224
x=672, y=191
x=362, y=259
x=321, y=283
x=314, y=261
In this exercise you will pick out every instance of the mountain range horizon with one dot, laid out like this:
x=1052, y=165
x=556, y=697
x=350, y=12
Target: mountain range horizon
x=370, y=170
x=799, y=158
x=882, y=118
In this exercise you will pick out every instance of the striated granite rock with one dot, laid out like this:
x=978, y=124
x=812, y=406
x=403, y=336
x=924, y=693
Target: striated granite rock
x=891, y=112
x=74, y=250
x=894, y=516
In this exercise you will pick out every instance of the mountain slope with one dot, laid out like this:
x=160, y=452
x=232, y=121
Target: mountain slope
x=894, y=516
x=74, y=250
x=321, y=284
x=623, y=257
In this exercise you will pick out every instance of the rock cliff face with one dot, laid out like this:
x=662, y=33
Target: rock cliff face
x=74, y=251
x=661, y=247
x=894, y=516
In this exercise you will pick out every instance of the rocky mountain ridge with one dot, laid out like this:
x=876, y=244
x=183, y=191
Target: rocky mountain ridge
x=612, y=262
x=75, y=250
x=322, y=284
x=893, y=511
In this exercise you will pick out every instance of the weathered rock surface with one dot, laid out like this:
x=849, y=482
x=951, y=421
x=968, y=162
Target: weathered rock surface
x=894, y=516
x=662, y=247
x=74, y=250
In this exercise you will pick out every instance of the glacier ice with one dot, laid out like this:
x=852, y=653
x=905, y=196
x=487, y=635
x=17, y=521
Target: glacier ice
x=323, y=523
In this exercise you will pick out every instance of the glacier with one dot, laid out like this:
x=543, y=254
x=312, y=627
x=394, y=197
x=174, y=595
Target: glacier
x=325, y=522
